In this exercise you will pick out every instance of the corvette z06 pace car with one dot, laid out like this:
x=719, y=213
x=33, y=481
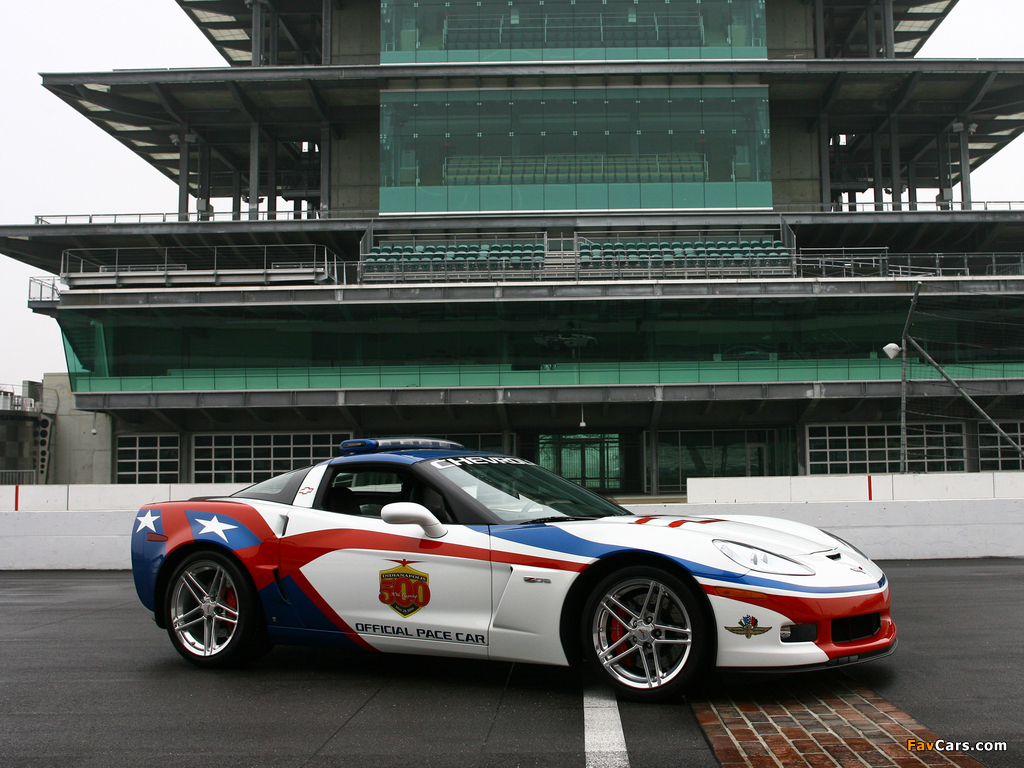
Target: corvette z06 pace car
x=414, y=545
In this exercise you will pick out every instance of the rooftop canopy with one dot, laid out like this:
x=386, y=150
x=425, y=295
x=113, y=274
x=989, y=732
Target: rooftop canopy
x=154, y=112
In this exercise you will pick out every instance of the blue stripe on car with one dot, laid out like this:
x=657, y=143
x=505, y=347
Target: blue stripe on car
x=556, y=539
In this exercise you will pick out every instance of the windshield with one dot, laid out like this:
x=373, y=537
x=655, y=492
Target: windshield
x=516, y=491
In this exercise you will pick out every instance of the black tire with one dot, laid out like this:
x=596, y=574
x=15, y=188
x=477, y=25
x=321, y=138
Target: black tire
x=645, y=634
x=213, y=614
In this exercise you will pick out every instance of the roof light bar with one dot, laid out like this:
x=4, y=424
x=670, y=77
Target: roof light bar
x=371, y=445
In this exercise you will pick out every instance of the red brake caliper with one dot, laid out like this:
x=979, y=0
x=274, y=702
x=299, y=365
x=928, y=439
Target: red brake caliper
x=231, y=599
x=615, y=633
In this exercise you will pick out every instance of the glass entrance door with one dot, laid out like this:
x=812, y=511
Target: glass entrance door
x=592, y=461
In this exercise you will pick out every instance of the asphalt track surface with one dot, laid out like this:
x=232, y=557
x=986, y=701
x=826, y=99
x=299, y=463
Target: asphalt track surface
x=87, y=679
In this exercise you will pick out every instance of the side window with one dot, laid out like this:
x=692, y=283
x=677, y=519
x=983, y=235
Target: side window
x=366, y=490
x=359, y=491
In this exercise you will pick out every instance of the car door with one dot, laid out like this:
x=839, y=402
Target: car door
x=389, y=587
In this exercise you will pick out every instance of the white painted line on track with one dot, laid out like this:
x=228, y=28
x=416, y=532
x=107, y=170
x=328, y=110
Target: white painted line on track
x=602, y=730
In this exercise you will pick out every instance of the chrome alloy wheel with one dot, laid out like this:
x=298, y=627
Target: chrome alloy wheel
x=204, y=608
x=642, y=633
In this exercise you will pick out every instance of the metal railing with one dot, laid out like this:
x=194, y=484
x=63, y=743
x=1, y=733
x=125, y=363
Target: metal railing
x=193, y=217
x=889, y=206
x=198, y=265
x=45, y=289
x=818, y=263
x=223, y=216
x=17, y=477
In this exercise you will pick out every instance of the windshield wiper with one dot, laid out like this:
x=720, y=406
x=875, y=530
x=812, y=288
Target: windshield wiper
x=557, y=519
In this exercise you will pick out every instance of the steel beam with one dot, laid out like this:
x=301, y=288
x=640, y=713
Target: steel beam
x=359, y=75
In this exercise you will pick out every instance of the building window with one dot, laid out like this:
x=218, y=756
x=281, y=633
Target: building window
x=594, y=461
x=148, y=459
x=575, y=149
x=722, y=453
x=433, y=31
x=861, y=449
x=995, y=453
x=250, y=458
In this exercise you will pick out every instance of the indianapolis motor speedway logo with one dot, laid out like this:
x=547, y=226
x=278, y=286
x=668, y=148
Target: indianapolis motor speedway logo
x=748, y=628
x=405, y=589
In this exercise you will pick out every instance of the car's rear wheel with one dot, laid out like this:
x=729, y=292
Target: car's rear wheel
x=645, y=633
x=214, y=617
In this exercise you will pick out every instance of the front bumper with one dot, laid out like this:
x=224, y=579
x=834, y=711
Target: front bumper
x=769, y=613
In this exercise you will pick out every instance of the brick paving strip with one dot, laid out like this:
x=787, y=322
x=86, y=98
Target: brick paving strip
x=825, y=720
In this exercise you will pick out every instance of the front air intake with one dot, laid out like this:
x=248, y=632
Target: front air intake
x=851, y=628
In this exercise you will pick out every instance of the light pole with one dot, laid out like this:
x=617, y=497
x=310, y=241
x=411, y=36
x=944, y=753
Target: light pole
x=891, y=350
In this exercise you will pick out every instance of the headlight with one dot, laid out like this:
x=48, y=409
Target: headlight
x=760, y=560
x=847, y=544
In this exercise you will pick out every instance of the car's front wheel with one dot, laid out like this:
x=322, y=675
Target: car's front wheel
x=214, y=617
x=645, y=633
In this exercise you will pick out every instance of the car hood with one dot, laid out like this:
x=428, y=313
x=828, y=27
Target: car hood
x=780, y=536
x=690, y=540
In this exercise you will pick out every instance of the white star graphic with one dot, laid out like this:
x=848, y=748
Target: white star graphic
x=215, y=526
x=147, y=520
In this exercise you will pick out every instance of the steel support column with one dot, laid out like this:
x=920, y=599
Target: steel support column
x=258, y=25
x=327, y=32
x=273, y=43
x=894, y=162
x=965, y=167
x=254, y=171
x=869, y=20
x=183, y=165
x=236, y=195
x=272, y=179
x=879, y=181
x=825, y=158
x=203, y=198
x=819, y=29
x=912, y=186
x=945, y=173
x=325, y=168
x=888, y=30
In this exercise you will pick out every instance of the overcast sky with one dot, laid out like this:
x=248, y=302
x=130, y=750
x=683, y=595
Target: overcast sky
x=53, y=161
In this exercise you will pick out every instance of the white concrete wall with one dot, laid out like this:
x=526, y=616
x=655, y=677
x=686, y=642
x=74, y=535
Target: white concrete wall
x=89, y=527
x=62, y=498
x=947, y=485
x=79, y=526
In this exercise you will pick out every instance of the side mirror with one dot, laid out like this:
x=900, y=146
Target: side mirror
x=409, y=512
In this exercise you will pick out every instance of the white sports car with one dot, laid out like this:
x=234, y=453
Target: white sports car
x=414, y=545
